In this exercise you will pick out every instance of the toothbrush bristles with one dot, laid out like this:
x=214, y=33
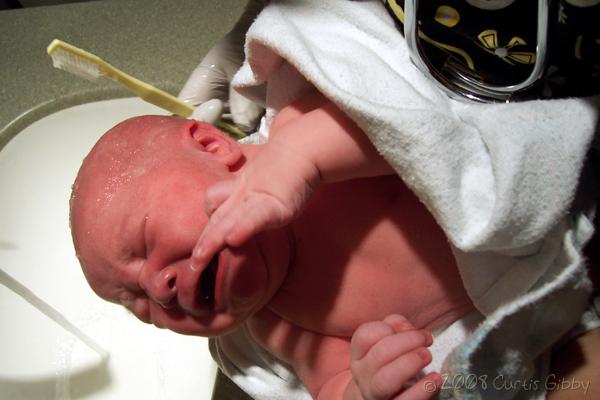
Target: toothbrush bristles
x=74, y=64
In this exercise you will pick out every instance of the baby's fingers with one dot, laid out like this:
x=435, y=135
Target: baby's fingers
x=370, y=333
x=366, y=336
x=205, y=249
x=383, y=357
x=233, y=223
x=217, y=194
x=213, y=237
x=392, y=377
x=250, y=217
x=424, y=389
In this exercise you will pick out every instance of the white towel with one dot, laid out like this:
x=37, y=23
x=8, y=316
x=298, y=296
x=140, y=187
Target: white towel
x=498, y=178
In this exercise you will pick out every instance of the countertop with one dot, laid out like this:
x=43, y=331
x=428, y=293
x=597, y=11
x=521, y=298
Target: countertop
x=157, y=41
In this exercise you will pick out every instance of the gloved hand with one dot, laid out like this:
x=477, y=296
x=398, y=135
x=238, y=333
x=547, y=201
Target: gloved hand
x=208, y=87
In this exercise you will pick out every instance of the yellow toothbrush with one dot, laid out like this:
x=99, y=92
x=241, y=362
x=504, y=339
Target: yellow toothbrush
x=91, y=67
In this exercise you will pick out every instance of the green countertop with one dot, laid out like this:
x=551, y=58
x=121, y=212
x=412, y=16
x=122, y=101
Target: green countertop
x=157, y=41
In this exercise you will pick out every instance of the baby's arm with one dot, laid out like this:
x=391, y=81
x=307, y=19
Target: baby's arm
x=311, y=142
x=375, y=365
x=319, y=131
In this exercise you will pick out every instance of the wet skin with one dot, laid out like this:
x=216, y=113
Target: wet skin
x=134, y=235
x=361, y=250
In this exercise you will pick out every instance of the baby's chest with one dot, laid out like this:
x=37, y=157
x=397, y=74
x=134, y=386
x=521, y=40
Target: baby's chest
x=334, y=290
x=355, y=264
x=337, y=302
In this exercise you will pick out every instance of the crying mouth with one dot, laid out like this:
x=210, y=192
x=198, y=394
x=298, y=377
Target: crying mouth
x=206, y=286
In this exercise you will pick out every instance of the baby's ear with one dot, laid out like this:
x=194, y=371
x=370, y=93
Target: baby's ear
x=215, y=142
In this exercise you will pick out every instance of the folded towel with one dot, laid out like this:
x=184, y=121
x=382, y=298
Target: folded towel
x=499, y=178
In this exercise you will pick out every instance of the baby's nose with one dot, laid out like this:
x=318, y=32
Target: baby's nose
x=162, y=286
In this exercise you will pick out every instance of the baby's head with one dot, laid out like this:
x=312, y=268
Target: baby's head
x=137, y=210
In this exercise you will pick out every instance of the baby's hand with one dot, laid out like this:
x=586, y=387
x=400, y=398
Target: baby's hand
x=269, y=192
x=385, y=356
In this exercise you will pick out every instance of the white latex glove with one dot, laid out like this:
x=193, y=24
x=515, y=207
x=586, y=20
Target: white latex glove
x=208, y=87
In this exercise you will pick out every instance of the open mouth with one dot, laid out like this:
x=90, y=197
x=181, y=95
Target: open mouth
x=205, y=292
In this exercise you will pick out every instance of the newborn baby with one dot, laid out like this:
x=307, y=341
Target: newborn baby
x=345, y=288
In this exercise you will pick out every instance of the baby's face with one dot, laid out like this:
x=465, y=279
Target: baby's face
x=136, y=213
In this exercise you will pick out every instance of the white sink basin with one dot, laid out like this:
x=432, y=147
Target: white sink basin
x=38, y=358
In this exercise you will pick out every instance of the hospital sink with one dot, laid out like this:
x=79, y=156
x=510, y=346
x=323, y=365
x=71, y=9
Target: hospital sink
x=39, y=358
